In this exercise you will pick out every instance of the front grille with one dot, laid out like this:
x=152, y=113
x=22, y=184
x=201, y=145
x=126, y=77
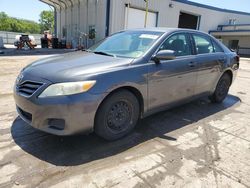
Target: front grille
x=27, y=88
x=25, y=114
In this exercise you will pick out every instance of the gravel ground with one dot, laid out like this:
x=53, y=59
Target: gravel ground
x=195, y=145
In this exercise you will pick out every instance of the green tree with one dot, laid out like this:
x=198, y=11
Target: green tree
x=5, y=22
x=47, y=20
x=17, y=25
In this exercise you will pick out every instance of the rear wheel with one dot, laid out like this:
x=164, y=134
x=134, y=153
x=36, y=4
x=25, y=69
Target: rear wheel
x=117, y=115
x=222, y=89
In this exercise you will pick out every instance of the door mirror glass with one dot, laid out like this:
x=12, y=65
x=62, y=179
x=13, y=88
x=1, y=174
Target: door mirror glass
x=164, y=55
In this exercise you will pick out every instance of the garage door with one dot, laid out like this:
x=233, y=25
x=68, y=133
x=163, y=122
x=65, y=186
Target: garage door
x=134, y=18
x=188, y=21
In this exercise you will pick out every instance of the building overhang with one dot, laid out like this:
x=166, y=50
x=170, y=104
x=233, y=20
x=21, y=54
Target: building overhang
x=61, y=4
x=230, y=33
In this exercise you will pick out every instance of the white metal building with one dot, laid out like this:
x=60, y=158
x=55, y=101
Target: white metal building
x=235, y=36
x=100, y=18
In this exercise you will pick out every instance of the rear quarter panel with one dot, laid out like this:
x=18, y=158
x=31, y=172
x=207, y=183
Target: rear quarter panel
x=231, y=64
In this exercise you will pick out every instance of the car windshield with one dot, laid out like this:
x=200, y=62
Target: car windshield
x=128, y=44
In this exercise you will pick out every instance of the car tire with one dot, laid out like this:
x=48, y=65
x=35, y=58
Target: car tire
x=117, y=115
x=222, y=89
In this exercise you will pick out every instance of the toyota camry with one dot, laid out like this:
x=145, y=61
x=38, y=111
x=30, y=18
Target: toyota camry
x=127, y=76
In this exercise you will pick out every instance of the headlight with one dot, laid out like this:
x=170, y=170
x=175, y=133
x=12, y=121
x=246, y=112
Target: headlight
x=68, y=88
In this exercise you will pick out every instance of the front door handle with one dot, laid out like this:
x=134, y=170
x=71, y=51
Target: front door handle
x=223, y=59
x=191, y=64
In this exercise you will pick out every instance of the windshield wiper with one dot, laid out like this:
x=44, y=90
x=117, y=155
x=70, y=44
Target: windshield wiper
x=104, y=53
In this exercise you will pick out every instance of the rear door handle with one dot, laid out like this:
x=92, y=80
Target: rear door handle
x=191, y=64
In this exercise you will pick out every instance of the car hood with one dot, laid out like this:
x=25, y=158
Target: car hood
x=73, y=66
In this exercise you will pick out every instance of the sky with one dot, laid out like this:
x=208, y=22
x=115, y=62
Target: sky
x=27, y=9
x=239, y=5
x=30, y=9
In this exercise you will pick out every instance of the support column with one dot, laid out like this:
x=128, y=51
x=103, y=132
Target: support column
x=55, y=22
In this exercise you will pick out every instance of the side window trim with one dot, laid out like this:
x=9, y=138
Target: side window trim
x=212, y=45
x=191, y=43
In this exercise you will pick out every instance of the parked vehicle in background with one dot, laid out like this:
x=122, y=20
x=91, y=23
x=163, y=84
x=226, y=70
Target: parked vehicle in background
x=25, y=41
x=127, y=76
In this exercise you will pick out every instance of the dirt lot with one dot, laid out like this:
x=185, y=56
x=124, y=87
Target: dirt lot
x=196, y=145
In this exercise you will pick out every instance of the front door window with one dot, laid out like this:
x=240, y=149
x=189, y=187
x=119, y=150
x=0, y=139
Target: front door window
x=179, y=44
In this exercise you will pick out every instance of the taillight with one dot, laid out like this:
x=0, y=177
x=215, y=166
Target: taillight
x=237, y=64
x=237, y=58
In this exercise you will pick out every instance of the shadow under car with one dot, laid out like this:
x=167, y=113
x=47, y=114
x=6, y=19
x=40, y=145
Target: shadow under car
x=80, y=149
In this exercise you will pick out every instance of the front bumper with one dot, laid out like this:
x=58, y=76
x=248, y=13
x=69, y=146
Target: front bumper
x=64, y=115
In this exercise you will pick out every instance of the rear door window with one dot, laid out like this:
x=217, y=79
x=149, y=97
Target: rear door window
x=203, y=44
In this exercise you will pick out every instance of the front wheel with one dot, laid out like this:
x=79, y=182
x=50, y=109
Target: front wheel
x=117, y=115
x=222, y=89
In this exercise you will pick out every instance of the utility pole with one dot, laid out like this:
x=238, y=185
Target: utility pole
x=146, y=14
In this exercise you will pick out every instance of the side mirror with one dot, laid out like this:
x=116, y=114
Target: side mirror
x=164, y=55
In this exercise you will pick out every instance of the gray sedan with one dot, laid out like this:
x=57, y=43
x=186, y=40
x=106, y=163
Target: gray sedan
x=125, y=77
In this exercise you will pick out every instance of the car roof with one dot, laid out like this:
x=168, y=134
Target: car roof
x=166, y=30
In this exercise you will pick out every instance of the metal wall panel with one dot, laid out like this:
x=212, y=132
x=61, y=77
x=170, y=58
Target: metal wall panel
x=210, y=19
x=168, y=14
x=80, y=17
x=118, y=12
